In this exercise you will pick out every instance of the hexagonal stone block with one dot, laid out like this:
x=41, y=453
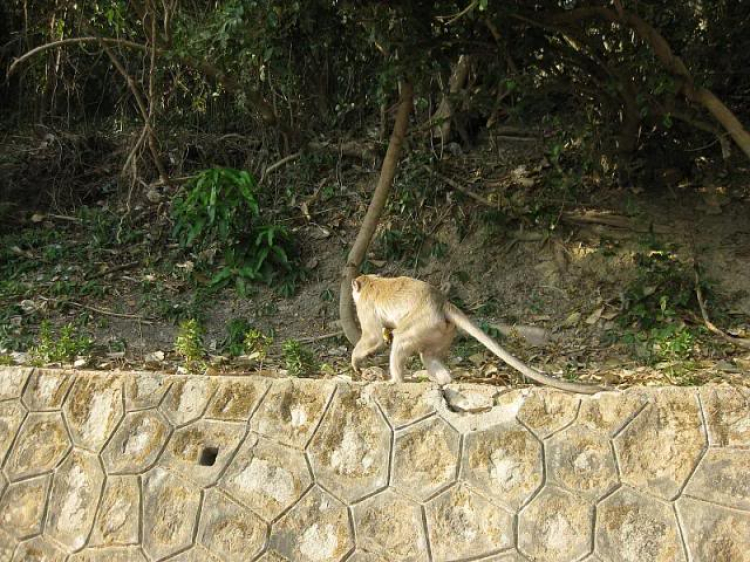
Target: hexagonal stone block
x=74, y=498
x=170, y=511
x=22, y=507
x=118, y=519
x=362, y=556
x=714, y=533
x=187, y=399
x=12, y=380
x=425, y=458
x=41, y=444
x=633, y=527
x=582, y=461
x=145, y=390
x=272, y=556
x=315, y=529
x=351, y=449
x=391, y=527
x=462, y=524
x=726, y=410
x=406, y=403
x=556, y=526
x=237, y=399
x=660, y=448
x=229, y=530
x=11, y=417
x=201, y=450
x=137, y=443
x=122, y=554
x=469, y=398
x=547, y=411
x=47, y=390
x=505, y=462
x=267, y=477
x=609, y=412
x=38, y=549
x=291, y=411
x=195, y=554
x=722, y=478
x=93, y=409
x=511, y=556
x=7, y=546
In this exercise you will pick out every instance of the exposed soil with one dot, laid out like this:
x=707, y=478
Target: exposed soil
x=571, y=281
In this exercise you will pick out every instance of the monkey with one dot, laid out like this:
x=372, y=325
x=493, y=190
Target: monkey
x=417, y=318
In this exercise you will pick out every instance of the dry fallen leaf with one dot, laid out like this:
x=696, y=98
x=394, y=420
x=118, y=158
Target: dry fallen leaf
x=593, y=318
x=572, y=320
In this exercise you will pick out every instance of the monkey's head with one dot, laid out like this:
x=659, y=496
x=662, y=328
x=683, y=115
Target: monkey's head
x=360, y=284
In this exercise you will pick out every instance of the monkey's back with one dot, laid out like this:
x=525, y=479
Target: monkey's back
x=398, y=299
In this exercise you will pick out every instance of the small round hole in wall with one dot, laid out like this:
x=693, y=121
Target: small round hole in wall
x=208, y=456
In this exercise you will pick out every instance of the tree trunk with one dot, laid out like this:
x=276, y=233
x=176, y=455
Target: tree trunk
x=370, y=222
x=444, y=112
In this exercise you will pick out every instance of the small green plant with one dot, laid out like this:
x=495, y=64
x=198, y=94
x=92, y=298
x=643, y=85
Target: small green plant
x=219, y=214
x=189, y=345
x=662, y=293
x=673, y=342
x=234, y=343
x=299, y=360
x=256, y=345
x=63, y=348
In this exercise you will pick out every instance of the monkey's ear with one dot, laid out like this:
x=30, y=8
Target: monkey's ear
x=357, y=285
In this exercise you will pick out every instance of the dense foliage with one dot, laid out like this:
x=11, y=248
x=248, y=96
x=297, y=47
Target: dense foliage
x=290, y=70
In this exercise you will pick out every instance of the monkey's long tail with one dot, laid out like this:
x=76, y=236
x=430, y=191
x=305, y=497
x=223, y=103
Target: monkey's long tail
x=464, y=323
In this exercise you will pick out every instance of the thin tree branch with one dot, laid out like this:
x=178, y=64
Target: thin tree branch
x=143, y=110
x=73, y=40
x=674, y=64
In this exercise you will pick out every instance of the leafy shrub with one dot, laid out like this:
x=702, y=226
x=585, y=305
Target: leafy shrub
x=234, y=343
x=189, y=345
x=64, y=348
x=256, y=345
x=299, y=360
x=662, y=291
x=219, y=214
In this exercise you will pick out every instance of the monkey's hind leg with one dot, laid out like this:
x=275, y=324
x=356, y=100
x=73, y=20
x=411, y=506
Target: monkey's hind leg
x=434, y=354
x=401, y=350
x=368, y=344
x=436, y=369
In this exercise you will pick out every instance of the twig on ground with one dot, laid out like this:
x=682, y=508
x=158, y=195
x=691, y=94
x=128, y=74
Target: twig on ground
x=63, y=218
x=115, y=269
x=461, y=189
x=608, y=219
x=74, y=304
x=277, y=165
x=313, y=339
x=713, y=328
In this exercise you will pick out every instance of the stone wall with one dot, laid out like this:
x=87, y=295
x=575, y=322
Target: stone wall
x=119, y=467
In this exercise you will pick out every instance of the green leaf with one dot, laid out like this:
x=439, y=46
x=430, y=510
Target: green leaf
x=222, y=276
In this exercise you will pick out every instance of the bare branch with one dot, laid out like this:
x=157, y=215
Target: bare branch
x=73, y=40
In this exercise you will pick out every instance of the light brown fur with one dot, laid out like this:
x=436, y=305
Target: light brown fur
x=421, y=320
